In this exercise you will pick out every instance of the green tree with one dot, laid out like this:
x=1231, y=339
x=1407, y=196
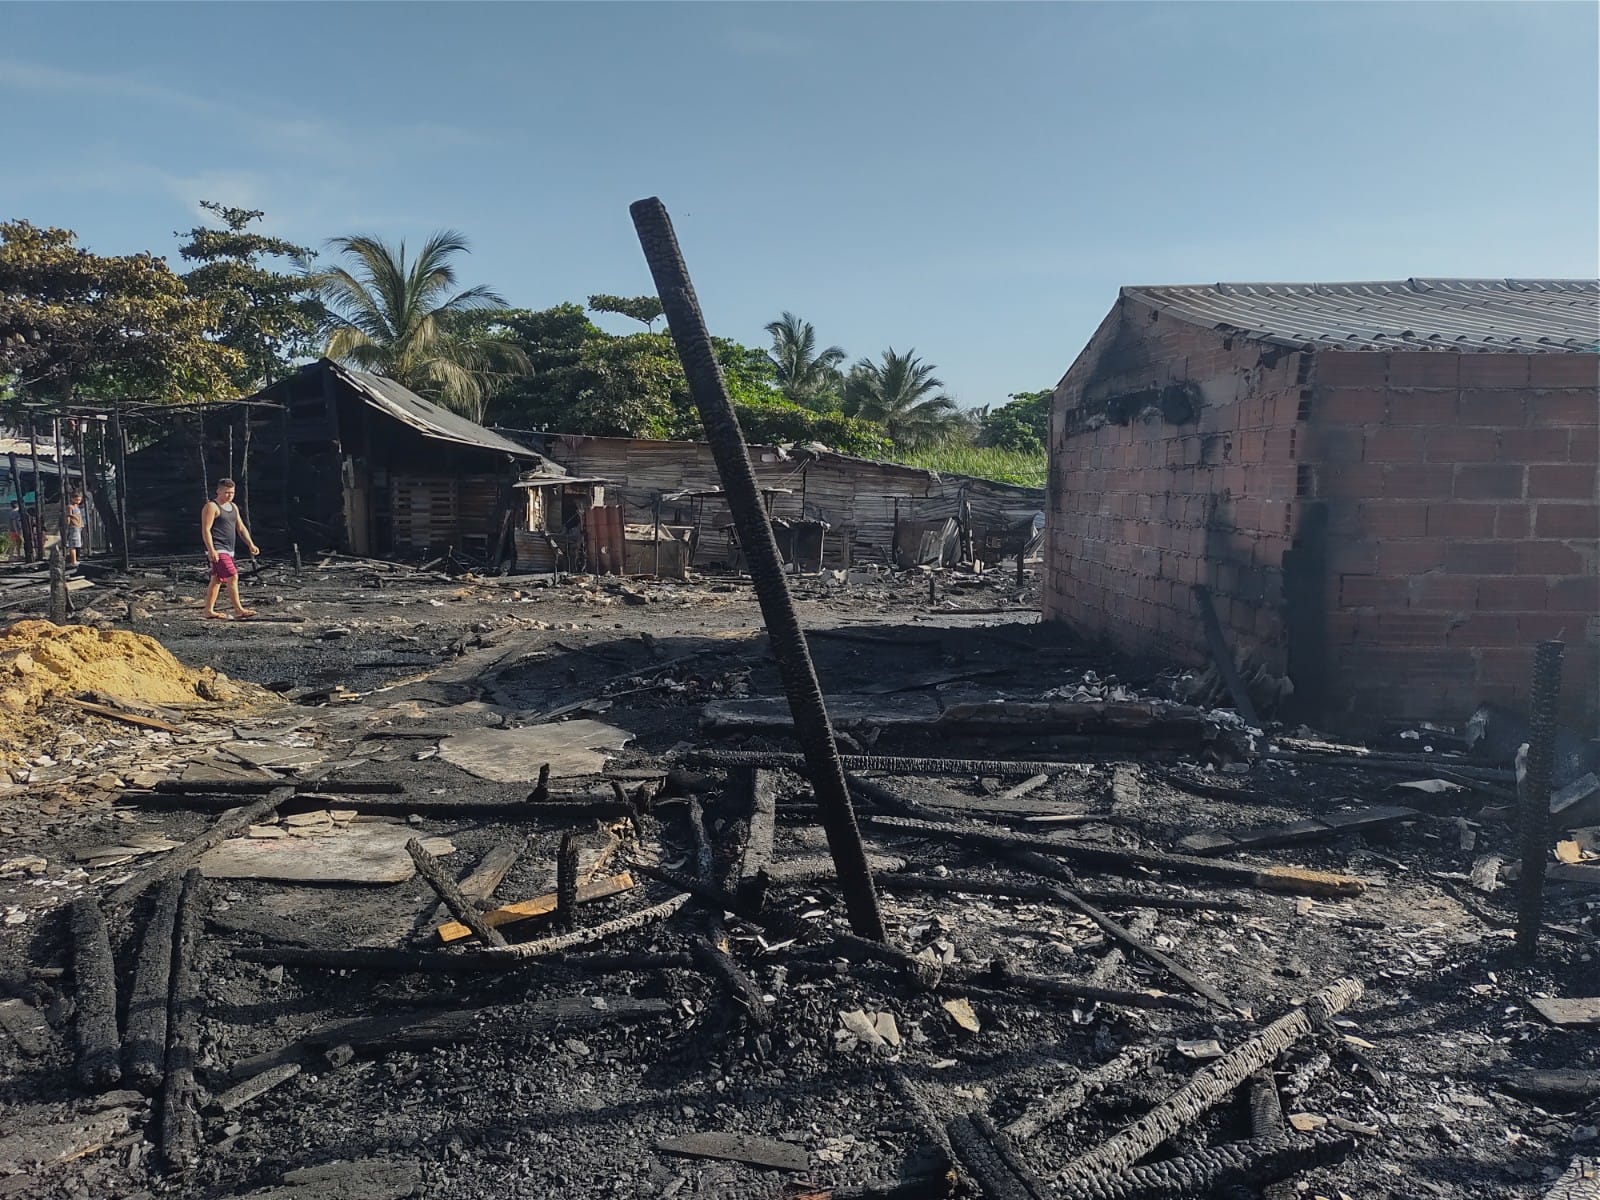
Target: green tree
x=631, y=386
x=270, y=316
x=404, y=319
x=805, y=375
x=1021, y=424
x=644, y=309
x=901, y=393
x=111, y=326
x=552, y=340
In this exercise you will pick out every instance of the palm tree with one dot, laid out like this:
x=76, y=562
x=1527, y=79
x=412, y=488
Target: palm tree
x=400, y=320
x=902, y=394
x=805, y=375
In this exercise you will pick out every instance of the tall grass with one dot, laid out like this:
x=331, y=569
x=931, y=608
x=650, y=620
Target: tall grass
x=1025, y=467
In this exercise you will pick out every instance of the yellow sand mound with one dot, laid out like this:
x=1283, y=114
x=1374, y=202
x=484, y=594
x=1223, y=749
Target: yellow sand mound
x=39, y=660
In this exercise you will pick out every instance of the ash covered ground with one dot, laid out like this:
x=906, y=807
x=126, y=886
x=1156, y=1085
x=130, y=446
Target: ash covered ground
x=572, y=1073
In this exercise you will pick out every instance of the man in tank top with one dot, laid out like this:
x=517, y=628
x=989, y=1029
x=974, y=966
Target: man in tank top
x=220, y=527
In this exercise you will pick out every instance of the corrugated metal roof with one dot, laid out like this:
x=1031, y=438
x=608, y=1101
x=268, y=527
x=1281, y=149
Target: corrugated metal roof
x=424, y=416
x=1535, y=316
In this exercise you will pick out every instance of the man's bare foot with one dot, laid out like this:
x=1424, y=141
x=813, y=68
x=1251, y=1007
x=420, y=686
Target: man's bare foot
x=243, y=614
x=214, y=616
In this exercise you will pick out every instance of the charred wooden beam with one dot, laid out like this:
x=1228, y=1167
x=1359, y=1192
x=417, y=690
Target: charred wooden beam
x=565, y=808
x=145, y=1048
x=587, y=936
x=994, y=1167
x=95, y=991
x=1222, y=656
x=1205, y=1173
x=1106, y=969
x=1030, y=890
x=1210, y=1086
x=1267, y=1128
x=796, y=871
x=479, y=884
x=260, y=1084
x=187, y=855
x=383, y=959
x=567, y=884
x=715, y=962
x=885, y=764
x=1131, y=941
x=1290, y=880
x=216, y=787
x=1533, y=816
x=450, y=895
x=180, y=1118
x=763, y=791
x=1066, y=1101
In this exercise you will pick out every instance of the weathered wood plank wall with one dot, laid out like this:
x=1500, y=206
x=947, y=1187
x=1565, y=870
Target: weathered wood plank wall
x=858, y=498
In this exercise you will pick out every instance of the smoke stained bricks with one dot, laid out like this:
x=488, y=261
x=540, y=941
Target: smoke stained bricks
x=1447, y=494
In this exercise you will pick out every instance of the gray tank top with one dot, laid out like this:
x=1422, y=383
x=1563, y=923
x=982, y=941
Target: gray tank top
x=223, y=528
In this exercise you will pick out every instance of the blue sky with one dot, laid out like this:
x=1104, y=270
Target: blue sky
x=972, y=180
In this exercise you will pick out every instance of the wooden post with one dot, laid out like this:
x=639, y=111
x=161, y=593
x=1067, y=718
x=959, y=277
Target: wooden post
x=658, y=536
x=205, y=476
x=83, y=482
x=38, y=492
x=288, y=528
x=61, y=483
x=244, y=474
x=122, y=482
x=22, y=510
x=1534, y=794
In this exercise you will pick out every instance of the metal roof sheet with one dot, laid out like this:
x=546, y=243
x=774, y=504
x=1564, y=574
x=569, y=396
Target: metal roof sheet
x=1535, y=316
x=423, y=415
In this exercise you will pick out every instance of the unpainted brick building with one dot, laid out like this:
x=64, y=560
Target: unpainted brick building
x=1389, y=489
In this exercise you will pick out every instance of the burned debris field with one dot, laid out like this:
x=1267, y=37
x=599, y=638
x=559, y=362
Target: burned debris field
x=1134, y=948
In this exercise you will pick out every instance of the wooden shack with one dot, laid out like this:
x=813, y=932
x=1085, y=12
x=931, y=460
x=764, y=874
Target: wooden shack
x=332, y=458
x=867, y=507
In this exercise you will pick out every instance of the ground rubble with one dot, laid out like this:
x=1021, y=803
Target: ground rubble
x=1135, y=948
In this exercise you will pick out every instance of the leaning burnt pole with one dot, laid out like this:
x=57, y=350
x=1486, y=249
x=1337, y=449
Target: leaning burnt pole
x=811, y=725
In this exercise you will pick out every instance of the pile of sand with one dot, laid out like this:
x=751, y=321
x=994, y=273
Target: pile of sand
x=39, y=660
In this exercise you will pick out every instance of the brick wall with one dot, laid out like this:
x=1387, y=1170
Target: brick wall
x=1143, y=506
x=1394, y=531
x=1460, y=492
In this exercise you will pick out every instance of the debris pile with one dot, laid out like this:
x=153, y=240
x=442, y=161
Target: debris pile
x=39, y=660
x=455, y=937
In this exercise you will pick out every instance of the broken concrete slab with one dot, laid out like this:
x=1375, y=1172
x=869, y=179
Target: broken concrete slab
x=1224, y=841
x=515, y=755
x=46, y=1145
x=26, y=1025
x=738, y=1147
x=268, y=754
x=851, y=711
x=364, y=1179
x=1568, y=1011
x=356, y=853
x=1559, y=1086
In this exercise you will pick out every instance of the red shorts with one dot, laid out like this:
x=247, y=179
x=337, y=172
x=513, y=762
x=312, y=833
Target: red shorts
x=224, y=569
